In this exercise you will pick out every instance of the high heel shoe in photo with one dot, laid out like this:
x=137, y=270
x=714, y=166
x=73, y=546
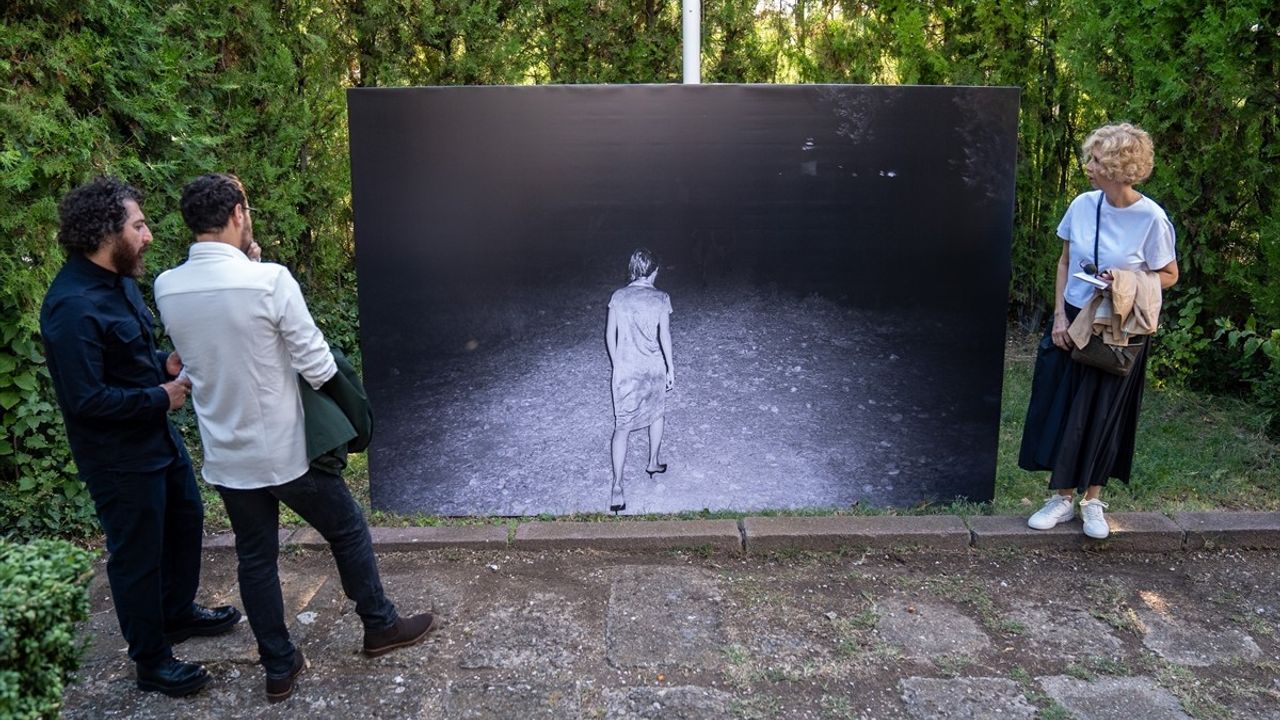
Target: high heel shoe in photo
x=617, y=500
x=661, y=469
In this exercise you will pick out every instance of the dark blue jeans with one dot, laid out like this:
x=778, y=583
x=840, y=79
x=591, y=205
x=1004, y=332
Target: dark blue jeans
x=322, y=499
x=154, y=522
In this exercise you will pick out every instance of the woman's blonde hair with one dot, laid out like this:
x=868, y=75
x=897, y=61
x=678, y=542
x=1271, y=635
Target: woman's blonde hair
x=1124, y=151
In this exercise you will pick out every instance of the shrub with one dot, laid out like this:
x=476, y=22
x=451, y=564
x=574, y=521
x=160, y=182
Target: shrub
x=43, y=593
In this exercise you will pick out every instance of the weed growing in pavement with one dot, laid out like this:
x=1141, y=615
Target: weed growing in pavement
x=1109, y=602
x=1195, y=695
x=1092, y=666
x=952, y=665
x=756, y=707
x=838, y=708
x=1047, y=707
x=705, y=551
x=968, y=590
x=1054, y=711
x=1254, y=624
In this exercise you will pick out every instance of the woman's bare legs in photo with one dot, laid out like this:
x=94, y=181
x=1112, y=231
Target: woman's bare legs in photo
x=655, y=444
x=618, y=452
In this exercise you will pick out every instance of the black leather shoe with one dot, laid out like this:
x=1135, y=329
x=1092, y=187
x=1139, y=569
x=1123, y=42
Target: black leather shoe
x=173, y=677
x=203, y=621
x=279, y=689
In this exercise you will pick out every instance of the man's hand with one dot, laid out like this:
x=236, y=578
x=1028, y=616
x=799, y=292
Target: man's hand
x=177, y=390
x=173, y=364
x=255, y=251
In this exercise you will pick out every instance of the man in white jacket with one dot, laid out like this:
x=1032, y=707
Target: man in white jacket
x=244, y=335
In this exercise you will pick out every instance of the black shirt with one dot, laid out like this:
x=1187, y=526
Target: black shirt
x=100, y=345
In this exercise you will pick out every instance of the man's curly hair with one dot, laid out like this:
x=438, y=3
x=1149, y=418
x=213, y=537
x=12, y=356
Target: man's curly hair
x=208, y=201
x=1125, y=152
x=94, y=212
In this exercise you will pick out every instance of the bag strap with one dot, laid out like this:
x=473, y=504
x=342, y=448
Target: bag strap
x=1097, y=225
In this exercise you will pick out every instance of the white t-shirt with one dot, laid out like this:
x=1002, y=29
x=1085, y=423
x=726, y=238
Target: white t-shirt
x=1139, y=237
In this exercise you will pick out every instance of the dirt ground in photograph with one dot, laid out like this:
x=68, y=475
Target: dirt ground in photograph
x=780, y=402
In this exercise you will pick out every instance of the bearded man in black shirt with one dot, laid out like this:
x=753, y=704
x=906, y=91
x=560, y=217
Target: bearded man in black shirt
x=115, y=390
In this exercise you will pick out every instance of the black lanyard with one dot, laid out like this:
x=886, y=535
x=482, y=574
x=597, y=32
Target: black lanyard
x=1097, y=225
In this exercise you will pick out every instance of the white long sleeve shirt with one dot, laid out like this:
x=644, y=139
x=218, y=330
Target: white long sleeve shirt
x=243, y=331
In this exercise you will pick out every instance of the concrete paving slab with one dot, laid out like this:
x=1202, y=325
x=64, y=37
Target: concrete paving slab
x=935, y=532
x=536, y=631
x=927, y=631
x=664, y=617
x=503, y=701
x=1065, y=631
x=329, y=691
x=237, y=693
x=1174, y=638
x=720, y=535
x=1113, y=698
x=1230, y=529
x=971, y=698
x=1130, y=532
x=472, y=537
x=686, y=702
x=298, y=590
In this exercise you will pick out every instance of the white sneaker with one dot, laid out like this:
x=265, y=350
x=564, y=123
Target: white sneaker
x=1095, y=525
x=1057, y=509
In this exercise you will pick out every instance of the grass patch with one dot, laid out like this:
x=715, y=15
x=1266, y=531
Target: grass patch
x=1046, y=707
x=1195, y=695
x=838, y=708
x=1109, y=602
x=968, y=590
x=1194, y=451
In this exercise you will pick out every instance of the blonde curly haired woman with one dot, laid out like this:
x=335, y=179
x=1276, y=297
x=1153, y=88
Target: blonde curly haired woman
x=1081, y=421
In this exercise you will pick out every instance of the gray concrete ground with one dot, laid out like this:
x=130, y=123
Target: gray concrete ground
x=692, y=635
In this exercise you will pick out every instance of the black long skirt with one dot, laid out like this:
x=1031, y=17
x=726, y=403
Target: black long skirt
x=1081, y=421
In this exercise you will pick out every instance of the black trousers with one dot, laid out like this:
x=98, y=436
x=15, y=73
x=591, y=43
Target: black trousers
x=154, y=522
x=323, y=500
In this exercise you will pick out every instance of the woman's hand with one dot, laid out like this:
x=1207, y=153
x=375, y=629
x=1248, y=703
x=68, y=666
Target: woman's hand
x=1059, y=334
x=671, y=380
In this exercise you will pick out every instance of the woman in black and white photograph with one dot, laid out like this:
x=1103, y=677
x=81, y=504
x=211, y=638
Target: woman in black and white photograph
x=638, y=337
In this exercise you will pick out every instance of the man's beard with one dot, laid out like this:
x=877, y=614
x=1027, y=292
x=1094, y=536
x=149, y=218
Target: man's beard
x=126, y=260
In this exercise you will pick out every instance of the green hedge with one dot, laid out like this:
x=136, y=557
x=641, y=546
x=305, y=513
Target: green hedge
x=158, y=92
x=43, y=594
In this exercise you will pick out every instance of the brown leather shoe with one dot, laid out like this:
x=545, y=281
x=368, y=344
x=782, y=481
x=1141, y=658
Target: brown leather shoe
x=406, y=632
x=279, y=689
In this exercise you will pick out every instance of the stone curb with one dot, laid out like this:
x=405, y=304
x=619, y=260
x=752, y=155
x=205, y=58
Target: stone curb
x=1230, y=529
x=226, y=541
x=1131, y=532
x=722, y=535
x=936, y=532
x=471, y=537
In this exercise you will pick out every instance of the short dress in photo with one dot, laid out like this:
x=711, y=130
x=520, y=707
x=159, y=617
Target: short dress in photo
x=639, y=381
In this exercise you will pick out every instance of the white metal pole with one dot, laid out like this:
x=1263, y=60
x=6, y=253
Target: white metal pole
x=692, y=40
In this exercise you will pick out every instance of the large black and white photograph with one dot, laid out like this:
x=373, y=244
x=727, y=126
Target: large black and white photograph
x=655, y=299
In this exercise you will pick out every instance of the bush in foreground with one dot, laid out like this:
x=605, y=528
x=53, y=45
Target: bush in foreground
x=43, y=594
